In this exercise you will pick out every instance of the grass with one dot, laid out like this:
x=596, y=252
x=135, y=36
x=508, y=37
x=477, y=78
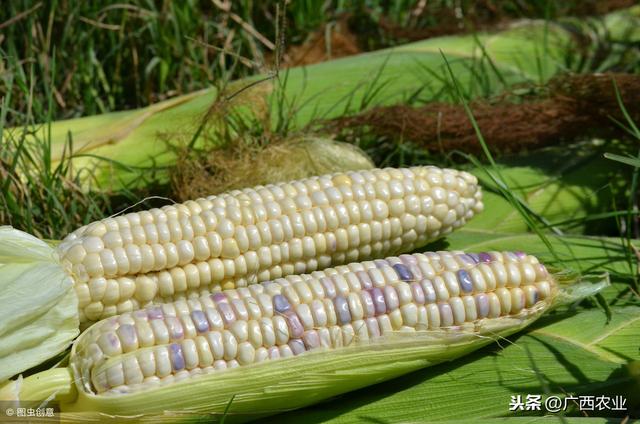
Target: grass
x=631, y=222
x=121, y=55
x=43, y=200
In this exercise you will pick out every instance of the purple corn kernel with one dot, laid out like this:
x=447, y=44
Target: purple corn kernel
x=482, y=305
x=200, y=321
x=342, y=310
x=467, y=259
x=281, y=304
x=372, y=327
x=365, y=280
x=475, y=257
x=367, y=304
x=113, y=340
x=155, y=313
x=297, y=346
x=333, y=245
x=446, y=315
x=403, y=272
x=466, y=284
x=127, y=333
x=311, y=339
x=329, y=287
x=391, y=298
x=176, y=332
x=295, y=326
x=484, y=257
x=418, y=293
x=228, y=316
x=219, y=297
x=520, y=254
x=378, y=301
x=380, y=263
x=176, y=356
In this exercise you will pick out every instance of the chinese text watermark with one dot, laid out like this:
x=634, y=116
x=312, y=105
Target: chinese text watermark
x=535, y=402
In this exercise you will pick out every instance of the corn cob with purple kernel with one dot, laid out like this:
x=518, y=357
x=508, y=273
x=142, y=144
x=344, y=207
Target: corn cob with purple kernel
x=231, y=240
x=299, y=339
x=339, y=307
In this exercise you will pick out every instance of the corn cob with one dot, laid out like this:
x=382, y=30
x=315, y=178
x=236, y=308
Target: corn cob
x=245, y=236
x=331, y=309
x=284, y=344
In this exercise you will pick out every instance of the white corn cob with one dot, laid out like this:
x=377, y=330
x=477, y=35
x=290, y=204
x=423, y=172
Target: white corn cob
x=246, y=236
x=339, y=307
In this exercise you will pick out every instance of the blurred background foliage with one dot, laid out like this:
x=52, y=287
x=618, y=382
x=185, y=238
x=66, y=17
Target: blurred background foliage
x=96, y=57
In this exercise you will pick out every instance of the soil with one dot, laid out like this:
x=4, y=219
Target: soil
x=575, y=107
x=331, y=42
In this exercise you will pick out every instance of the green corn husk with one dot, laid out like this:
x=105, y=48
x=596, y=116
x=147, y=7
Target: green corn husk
x=271, y=387
x=530, y=51
x=39, y=313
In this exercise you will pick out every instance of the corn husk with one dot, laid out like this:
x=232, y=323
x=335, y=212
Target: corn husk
x=39, y=313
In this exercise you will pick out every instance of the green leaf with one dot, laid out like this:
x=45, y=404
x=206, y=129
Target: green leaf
x=627, y=160
x=561, y=186
x=582, y=354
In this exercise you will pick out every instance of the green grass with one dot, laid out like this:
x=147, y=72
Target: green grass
x=120, y=55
